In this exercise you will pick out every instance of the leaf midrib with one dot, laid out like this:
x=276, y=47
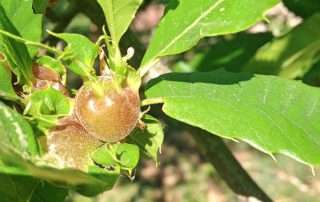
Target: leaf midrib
x=192, y=25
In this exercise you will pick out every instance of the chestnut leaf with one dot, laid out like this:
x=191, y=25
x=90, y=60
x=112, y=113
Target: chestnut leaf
x=88, y=184
x=16, y=188
x=15, y=53
x=148, y=139
x=178, y=32
x=79, y=54
x=46, y=106
x=16, y=132
x=117, y=156
x=6, y=89
x=272, y=114
x=48, y=193
x=119, y=14
x=14, y=15
x=27, y=24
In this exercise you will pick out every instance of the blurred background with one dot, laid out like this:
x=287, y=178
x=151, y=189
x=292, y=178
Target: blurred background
x=184, y=173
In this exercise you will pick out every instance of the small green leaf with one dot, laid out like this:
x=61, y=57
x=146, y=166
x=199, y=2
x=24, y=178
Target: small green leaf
x=272, y=114
x=107, y=156
x=128, y=155
x=291, y=55
x=119, y=14
x=148, y=139
x=80, y=53
x=178, y=32
x=117, y=156
x=6, y=89
x=16, y=132
x=46, y=106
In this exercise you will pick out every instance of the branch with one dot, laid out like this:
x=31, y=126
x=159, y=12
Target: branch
x=227, y=166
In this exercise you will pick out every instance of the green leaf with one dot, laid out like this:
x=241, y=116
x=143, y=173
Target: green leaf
x=16, y=132
x=46, y=192
x=28, y=24
x=291, y=55
x=15, y=53
x=128, y=155
x=148, y=139
x=119, y=14
x=16, y=188
x=178, y=32
x=6, y=89
x=107, y=156
x=46, y=106
x=80, y=53
x=117, y=156
x=39, y=6
x=230, y=55
x=87, y=184
x=272, y=114
x=303, y=8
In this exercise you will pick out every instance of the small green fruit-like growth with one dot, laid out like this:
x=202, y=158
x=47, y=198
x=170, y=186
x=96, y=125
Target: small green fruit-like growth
x=69, y=145
x=110, y=114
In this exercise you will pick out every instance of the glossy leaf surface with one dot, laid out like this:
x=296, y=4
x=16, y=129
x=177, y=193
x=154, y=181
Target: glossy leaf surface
x=80, y=53
x=272, y=114
x=6, y=89
x=119, y=14
x=185, y=22
x=149, y=139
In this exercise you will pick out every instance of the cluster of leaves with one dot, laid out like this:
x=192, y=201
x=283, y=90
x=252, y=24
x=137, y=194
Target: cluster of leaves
x=40, y=109
x=273, y=114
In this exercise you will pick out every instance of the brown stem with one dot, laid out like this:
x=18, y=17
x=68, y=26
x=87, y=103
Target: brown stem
x=227, y=166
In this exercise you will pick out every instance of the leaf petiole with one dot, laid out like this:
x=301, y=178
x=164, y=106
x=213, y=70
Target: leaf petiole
x=146, y=68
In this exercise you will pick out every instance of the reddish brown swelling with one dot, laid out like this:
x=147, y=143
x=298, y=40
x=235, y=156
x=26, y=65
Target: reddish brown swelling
x=69, y=145
x=111, y=117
